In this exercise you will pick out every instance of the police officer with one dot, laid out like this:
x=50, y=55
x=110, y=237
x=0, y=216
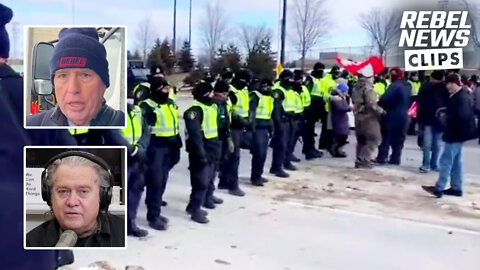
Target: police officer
x=302, y=102
x=240, y=119
x=163, y=152
x=224, y=107
x=283, y=112
x=137, y=137
x=261, y=108
x=202, y=146
x=315, y=113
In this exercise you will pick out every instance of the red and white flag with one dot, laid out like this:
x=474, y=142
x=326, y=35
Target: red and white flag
x=370, y=67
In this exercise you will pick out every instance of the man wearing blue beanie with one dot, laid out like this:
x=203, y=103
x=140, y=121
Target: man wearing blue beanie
x=79, y=73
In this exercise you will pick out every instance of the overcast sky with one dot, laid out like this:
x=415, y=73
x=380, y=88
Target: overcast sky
x=345, y=30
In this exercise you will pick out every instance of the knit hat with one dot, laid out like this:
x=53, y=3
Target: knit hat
x=201, y=89
x=6, y=15
x=80, y=48
x=342, y=87
x=453, y=78
x=157, y=83
x=221, y=87
x=438, y=75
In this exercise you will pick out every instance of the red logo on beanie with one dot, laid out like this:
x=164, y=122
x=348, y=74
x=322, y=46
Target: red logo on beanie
x=72, y=61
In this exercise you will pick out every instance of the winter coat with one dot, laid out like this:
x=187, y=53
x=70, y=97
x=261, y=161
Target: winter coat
x=366, y=110
x=476, y=99
x=395, y=102
x=460, y=121
x=431, y=97
x=339, y=107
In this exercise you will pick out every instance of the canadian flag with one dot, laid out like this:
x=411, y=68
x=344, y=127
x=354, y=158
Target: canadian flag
x=368, y=68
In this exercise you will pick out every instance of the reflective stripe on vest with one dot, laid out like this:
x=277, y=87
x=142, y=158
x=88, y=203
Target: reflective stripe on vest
x=78, y=131
x=209, y=121
x=133, y=131
x=167, y=119
x=242, y=106
x=288, y=102
x=306, y=99
x=264, y=107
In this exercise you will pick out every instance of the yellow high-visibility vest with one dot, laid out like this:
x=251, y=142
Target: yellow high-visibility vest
x=133, y=132
x=172, y=95
x=242, y=106
x=264, y=107
x=298, y=102
x=379, y=88
x=78, y=131
x=327, y=83
x=306, y=99
x=415, y=87
x=209, y=121
x=288, y=102
x=167, y=119
x=317, y=89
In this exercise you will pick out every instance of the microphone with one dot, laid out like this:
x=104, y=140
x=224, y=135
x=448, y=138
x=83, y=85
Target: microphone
x=67, y=239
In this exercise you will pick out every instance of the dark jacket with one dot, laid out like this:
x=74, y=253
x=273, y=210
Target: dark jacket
x=460, y=123
x=205, y=150
x=54, y=117
x=476, y=99
x=223, y=121
x=12, y=140
x=339, y=107
x=431, y=97
x=110, y=233
x=395, y=102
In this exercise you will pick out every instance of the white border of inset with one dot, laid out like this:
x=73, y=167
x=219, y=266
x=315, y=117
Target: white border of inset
x=75, y=148
x=27, y=91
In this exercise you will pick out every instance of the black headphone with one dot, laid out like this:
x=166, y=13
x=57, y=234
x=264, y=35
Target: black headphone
x=105, y=192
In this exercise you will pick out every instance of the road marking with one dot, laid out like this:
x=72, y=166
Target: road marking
x=429, y=225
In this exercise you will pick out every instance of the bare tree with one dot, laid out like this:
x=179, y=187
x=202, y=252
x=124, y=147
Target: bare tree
x=252, y=35
x=213, y=28
x=474, y=20
x=382, y=28
x=145, y=37
x=311, y=22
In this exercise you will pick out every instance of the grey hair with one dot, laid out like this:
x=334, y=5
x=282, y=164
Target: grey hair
x=102, y=174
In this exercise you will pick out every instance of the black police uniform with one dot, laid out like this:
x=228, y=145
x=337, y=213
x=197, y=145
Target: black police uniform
x=202, y=154
x=162, y=154
x=262, y=130
x=281, y=126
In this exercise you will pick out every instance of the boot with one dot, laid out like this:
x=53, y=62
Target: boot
x=197, y=216
x=189, y=210
x=158, y=224
x=281, y=173
x=257, y=182
x=236, y=192
x=135, y=231
x=209, y=204
x=290, y=167
x=293, y=158
x=216, y=200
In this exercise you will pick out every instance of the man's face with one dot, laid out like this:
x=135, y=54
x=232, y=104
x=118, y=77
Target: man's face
x=76, y=199
x=452, y=87
x=79, y=93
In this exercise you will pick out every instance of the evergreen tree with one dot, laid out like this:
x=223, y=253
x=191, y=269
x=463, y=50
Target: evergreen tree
x=186, y=61
x=228, y=57
x=260, y=60
x=161, y=54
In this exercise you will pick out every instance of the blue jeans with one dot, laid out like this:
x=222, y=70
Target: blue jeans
x=451, y=167
x=431, y=147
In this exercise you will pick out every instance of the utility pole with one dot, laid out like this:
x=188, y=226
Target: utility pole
x=174, y=27
x=284, y=22
x=190, y=26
